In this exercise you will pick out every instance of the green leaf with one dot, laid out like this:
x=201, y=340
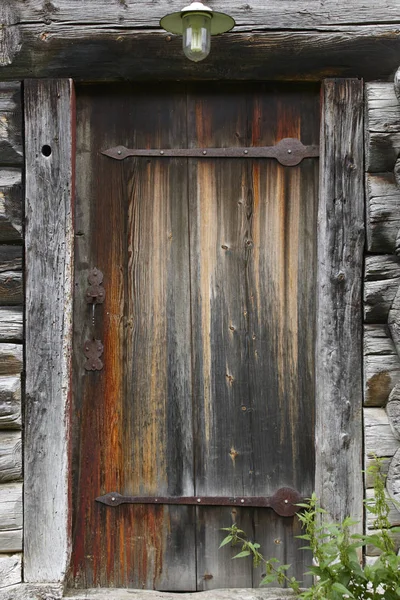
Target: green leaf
x=338, y=587
x=242, y=554
x=226, y=540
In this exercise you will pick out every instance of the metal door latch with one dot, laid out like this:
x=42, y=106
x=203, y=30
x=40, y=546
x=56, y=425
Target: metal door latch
x=95, y=294
x=283, y=502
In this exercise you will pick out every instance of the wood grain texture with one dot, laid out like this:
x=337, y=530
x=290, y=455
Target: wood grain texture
x=10, y=258
x=259, y=51
x=10, y=569
x=339, y=330
x=10, y=359
x=11, y=152
x=382, y=107
x=49, y=120
x=11, y=323
x=11, y=288
x=381, y=282
x=378, y=435
x=10, y=456
x=382, y=212
x=381, y=365
x=10, y=517
x=33, y=592
x=10, y=205
x=10, y=402
x=137, y=417
x=382, y=150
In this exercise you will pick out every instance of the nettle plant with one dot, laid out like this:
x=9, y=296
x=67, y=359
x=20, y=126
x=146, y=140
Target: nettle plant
x=336, y=569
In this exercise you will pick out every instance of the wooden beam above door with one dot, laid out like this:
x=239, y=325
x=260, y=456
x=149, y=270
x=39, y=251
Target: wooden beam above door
x=121, y=40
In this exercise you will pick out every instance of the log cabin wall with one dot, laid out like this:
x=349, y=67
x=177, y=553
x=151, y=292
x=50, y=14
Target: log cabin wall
x=382, y=291
x=11, y=333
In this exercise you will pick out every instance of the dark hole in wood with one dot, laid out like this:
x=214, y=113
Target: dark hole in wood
x=46, y=150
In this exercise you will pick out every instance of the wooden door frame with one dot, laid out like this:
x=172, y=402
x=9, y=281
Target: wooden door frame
x=49, y=233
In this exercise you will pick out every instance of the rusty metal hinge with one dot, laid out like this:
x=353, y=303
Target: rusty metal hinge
x=283, y=502
x=289, y=152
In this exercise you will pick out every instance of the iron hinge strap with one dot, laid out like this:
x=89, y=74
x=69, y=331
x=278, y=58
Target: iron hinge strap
x=289, y=152
x=283, y=502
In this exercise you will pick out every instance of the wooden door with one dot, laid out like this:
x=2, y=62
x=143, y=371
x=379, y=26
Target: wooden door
x=208, y=330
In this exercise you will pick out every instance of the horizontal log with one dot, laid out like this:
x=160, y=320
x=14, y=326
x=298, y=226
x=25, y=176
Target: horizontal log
x=382, y=107
x=11, y=152
x=381, y=151
x=381, y=282
x=10, y=456
x=10, y=205
x=378, y=435
x=10, y=402
x=90, y=51
x=10, y=506
x=10, y=569
x=382, y=212
x=11, y=323
x=10, y=258
x=11, y=288
x=393, y=479
x=11, y=541
x=11, y=359
x=255, y=13
x=41, y=591
x=381, y=365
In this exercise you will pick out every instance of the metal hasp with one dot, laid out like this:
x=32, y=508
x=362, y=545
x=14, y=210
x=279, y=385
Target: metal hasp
x=95, y=293
x=288, y=152
x=283, y=502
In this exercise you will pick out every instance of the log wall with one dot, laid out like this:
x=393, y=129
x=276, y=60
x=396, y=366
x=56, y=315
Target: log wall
x=382, y=291
x=11, y=331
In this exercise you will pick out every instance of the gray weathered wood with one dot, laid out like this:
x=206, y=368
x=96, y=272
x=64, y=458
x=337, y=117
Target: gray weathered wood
x=10, y=258
x=11, y=323
x=381, y=365
x=382, y=151
x=49, y=119
x=369, y=461
x=11, y=540
x=382, y=107
x=11, y=152
x=10, y=456
x=257, y=49
x=378, y=435
x=10, y=569
x=9, y=35
x=393, y=479
x=381, y=282
x=11, y=288
x=33, y=592
x=10, y=402
x=339, y=334
x=10, y=517
x=10, y=204
x=382, y=212
x=393, y=516
x=10, y=359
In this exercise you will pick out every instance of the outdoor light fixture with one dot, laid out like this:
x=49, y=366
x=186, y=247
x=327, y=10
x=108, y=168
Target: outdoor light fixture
x=197, y=23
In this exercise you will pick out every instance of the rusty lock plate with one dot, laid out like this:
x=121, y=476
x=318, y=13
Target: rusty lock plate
x=289, y=152
x=283, y=502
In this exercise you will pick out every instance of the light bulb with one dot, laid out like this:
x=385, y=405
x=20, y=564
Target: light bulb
x=196, y=35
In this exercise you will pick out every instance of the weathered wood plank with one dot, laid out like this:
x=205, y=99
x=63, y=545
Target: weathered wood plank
x=381, y=282
x=10, y=506
x=11, y=359
x=11, y=541
x=369, y=461
x=339, y=333
x=382, y=212
x=381, y=365
x=10, y=569
x=382, y=107
x=102, y=52
x=11, y=288
x=10, y=456
x=10, y=402
x=10, y=205
x=10, y=258
x=11, y=152
x=393, y=516
x=382, y=151
x=49, y=120
x=11, y=323
x=283, y=14
x=393, y=479
x=378, y=435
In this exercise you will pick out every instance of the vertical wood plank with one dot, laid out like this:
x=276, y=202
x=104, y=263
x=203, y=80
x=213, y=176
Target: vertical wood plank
x=339, y=314
x=50, y=124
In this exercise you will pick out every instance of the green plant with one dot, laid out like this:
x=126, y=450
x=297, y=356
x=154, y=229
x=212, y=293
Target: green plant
x=337, y=570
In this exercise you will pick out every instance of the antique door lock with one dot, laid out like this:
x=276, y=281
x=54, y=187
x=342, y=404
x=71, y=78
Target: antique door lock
x=95, y=294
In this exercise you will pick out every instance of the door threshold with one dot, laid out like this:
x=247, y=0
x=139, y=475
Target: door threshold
x=221, y=594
